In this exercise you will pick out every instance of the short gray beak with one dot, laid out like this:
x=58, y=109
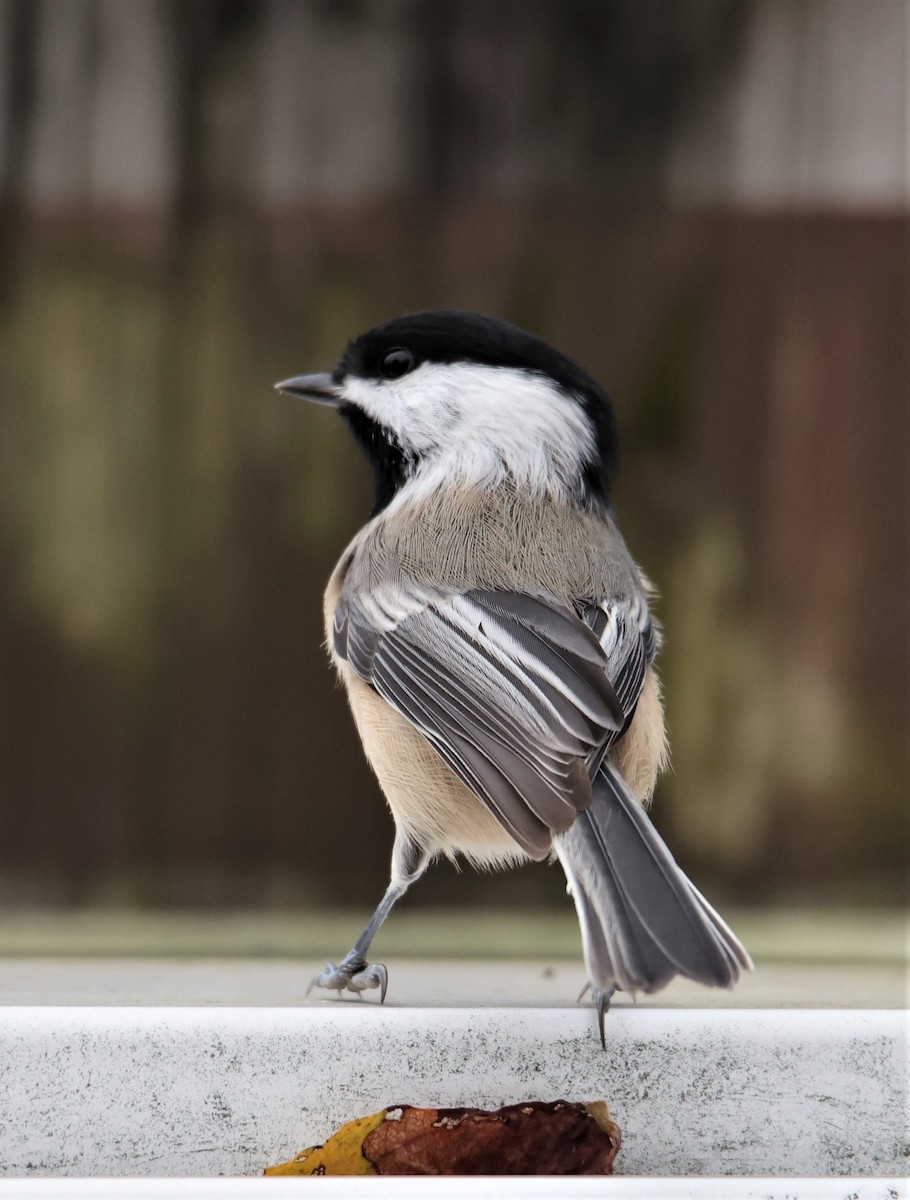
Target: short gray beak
x=321, y=388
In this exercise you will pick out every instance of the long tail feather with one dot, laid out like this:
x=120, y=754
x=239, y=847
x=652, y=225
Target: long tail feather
x=642, y=921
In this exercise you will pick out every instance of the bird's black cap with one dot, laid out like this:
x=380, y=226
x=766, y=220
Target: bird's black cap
x=450, y=336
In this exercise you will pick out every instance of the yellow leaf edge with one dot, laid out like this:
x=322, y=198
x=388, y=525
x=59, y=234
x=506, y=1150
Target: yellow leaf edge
x=601, y=1114
x=342, y=1154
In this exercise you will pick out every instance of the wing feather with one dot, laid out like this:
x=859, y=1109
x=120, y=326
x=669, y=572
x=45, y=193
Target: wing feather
x=520, y=696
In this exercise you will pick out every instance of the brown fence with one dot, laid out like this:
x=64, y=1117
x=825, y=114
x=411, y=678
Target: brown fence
x=168, y=724
x=199, y=199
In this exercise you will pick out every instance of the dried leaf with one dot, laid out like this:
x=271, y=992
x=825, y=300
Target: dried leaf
x=341, y=1155
x=533, y=1138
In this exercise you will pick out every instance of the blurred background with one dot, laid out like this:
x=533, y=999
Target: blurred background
x=704, y=201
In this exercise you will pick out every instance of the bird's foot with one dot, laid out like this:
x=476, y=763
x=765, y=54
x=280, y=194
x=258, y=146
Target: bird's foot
x=354, y=974
x=601, y=998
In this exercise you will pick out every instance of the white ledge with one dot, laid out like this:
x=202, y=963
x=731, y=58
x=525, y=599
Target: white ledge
x=500, y=1188
x=419, y=983
x=227, y=1091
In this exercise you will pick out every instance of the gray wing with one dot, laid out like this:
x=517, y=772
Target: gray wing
x=520, y=696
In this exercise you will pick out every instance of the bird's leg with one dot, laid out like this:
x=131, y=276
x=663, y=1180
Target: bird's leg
x=409, y=861
x=595, y=949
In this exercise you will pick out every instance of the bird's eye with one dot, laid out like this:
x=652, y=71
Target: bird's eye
x=395, y=363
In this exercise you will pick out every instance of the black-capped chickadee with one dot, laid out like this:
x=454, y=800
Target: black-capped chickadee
x=494, y=637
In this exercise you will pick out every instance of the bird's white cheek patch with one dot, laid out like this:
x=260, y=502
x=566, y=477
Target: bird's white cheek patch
x=380, y=401
x=416, y=411
x=480, y=422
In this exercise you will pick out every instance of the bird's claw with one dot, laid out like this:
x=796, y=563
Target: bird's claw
x=352, y=974
x=601, y=998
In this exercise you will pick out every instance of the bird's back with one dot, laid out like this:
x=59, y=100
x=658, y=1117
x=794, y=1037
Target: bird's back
x=457, y=539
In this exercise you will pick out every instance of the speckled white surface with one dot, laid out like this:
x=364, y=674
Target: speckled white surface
x=220, y=1091
x=525, y=1188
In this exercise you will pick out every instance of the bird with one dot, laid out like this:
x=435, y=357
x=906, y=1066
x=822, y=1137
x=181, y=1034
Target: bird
x=497, y=643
